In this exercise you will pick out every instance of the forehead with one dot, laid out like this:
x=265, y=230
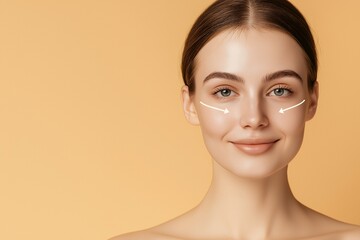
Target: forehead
x=250, y=54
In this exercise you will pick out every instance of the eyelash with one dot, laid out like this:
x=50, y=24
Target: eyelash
x=219, y=89
x=283, y=87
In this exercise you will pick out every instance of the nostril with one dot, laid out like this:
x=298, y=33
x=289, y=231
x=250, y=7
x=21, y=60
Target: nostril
x=253, y=114
x=259, y=121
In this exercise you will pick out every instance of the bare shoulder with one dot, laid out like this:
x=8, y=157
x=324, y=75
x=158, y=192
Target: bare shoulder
x=347, y=232
x=352, y=234
x=162, y=231
x=129, y=236
x=172, y=229
x=135, y=236
x=324, y=227
x=341, y=231
x=148, y=234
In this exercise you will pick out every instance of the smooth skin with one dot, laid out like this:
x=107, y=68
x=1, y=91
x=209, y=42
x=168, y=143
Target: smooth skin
x=253, y=73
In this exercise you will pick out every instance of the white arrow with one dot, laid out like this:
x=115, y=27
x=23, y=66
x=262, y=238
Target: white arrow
x=284, y=110
x=226, y=111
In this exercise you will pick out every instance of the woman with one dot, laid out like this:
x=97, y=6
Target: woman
x=250, y=69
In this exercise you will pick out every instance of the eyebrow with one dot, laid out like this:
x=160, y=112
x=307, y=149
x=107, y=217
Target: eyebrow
x=282, y=74
x=223, y=75
x=267, y=78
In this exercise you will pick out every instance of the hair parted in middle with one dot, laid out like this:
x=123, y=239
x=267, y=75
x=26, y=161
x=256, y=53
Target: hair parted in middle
x=247, y=14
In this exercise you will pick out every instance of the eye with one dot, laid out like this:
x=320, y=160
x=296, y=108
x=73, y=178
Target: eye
x=281, y=91
x=223, y=92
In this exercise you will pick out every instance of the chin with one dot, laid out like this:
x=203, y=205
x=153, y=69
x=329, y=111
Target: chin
x=258, y=172
x=255, y=167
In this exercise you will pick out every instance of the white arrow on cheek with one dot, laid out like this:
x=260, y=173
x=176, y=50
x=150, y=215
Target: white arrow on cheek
x=225, y=111
x=286, y=109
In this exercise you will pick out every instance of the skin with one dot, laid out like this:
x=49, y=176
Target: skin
x=252, y=145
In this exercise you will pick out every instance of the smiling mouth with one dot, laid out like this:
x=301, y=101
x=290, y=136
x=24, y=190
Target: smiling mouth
x=255, y=147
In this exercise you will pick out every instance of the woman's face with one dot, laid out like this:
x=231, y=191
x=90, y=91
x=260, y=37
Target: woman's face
x=252, y=74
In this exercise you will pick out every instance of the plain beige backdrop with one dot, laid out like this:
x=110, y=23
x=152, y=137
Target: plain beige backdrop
x=93, y=142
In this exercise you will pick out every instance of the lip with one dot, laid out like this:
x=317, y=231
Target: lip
x=255, y=146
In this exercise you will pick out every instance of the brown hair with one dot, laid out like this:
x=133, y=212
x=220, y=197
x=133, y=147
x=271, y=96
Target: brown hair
x=226, y=14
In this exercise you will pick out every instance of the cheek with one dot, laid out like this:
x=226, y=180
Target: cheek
x=292, y=120
x=291, y=124
x=213, y=123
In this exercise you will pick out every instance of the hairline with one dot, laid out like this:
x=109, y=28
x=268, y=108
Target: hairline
x=252, y=25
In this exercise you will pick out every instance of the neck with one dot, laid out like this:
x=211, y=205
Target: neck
x=241, y=206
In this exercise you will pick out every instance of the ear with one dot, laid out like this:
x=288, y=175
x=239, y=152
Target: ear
x=314, y=97
x=188, y=106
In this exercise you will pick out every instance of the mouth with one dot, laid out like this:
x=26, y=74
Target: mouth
x=255, y=146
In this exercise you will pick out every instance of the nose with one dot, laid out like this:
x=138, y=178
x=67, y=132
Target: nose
x=253, y=114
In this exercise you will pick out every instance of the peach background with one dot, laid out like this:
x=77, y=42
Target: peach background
x=93, y=142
